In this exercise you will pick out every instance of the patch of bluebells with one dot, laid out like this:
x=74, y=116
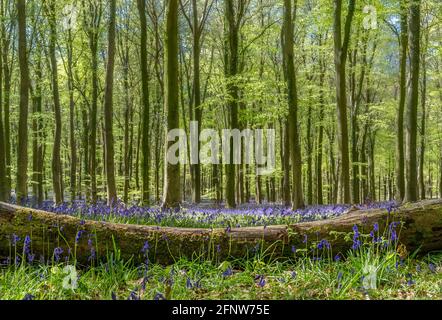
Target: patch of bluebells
x=324, y=244
x=203, y=215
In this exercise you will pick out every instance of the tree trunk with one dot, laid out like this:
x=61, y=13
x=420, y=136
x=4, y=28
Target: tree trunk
x=22, y=144
x=172, y=192
x=400, y=160
x=423, y=119
x=145, y=143
x=57, y=180
x=340, y=52
x=412, y=106
x=295, y=149
x=3, y=179
x=108, y=109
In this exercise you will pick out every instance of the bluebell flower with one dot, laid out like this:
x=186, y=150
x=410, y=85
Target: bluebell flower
x=356, y=241
x=57, y=253
x=228, y=272
x=31, y=258
x=305, y=239
x=432, y=267
x=133, y=296
x=145, y=248
x=114, y=296
x=188, y=283
x=323, y=244
x=14, y=239
x=337, y=257
x=262, y=281
x=78, y=236
x=376, y=227
x=340, y=275
x=27, y=245
x=159, y=296
x=293, y=249
x=28, y=297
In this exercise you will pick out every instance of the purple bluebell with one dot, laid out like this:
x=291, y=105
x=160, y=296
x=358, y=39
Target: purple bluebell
x=78, y=236
x=145, y=248
x=432, y=267
x=14, y=239
x=27, y=245
x=57, y=253
x=133, y=296
x=28, y=297
x=228, y=272
x=159, y=296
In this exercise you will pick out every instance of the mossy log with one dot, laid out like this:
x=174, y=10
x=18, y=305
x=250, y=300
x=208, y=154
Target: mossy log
x=421, y=228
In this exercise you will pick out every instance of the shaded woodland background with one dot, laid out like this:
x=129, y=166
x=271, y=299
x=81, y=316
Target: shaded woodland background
x=89, y=88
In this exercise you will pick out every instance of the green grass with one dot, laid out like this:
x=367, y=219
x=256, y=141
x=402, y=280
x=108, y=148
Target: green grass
x=301, y=278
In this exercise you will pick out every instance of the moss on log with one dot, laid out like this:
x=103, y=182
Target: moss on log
x=421, y=228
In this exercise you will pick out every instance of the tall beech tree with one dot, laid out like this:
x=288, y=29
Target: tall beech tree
x=400, y=157
x=172, y=191
x=145, y=154
x=57, y=177
x=341, y=44
x=108, y=109
x=22, y=143
x=295, y=149
x=414, y=23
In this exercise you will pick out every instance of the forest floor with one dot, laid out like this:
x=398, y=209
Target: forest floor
x=247, y=279
x=371, y=270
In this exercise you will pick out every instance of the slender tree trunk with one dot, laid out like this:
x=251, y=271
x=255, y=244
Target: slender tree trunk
x=57, y=181
x=108, y=109
x=309, y=156
x=22, y=143
x=319, y=191
x=3, y=179
x=412, y=106
x=295, y=149
x=341, y=49
x=196, y=168
x=172, y=192
x=400, y=160
x=72, y=142
x=423, y=120
x=6, y=98
x=36, y=134
x=93, y=33
x=145, y=103
x=232, y=46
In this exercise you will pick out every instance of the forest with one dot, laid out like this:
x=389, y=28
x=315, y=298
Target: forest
x=88, y=89
x=351, y=90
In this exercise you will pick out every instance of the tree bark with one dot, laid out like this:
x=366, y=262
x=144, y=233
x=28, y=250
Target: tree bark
x=295, y=149
x=22, y=145
x=400, y=161
x=145, y=143
x=108, y=109
x=172, y=192
x=341, y=49
x=412, y=105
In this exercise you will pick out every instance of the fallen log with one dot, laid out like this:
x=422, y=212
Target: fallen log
x=421, y=228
